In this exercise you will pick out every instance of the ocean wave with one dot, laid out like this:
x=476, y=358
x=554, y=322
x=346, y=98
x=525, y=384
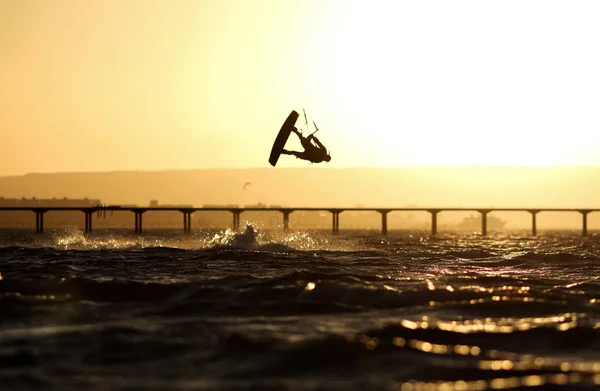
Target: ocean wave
x=299, y=311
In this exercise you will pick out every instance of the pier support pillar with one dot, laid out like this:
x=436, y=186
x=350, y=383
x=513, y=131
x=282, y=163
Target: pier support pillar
x=39, y=221
x=584, y=214
x=434, y=213
x=236, y=219
x=286, y=219
x=187, y=221
x=138, y=220
x=384, y=226
x=335, y=223
x=88, y=221
x=484, y=221
x=533, y=222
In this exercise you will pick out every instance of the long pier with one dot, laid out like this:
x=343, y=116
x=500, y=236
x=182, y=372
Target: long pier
x=335, y=213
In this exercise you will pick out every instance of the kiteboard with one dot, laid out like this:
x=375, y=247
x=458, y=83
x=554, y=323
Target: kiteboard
x=282, y=137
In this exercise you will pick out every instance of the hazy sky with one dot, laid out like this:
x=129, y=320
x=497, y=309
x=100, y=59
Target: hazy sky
x=152, y=85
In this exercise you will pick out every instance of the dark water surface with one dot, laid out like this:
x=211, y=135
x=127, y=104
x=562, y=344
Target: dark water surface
x=298, y=311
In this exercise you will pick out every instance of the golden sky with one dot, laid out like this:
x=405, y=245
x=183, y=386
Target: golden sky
x=154, y=85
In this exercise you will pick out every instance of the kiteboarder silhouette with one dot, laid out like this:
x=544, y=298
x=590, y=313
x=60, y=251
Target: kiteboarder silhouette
x=313, y=152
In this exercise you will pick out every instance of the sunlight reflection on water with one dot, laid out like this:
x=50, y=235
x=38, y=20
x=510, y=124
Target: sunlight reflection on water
x=408, y=311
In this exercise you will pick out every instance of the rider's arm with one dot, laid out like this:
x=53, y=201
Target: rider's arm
x=318, y=142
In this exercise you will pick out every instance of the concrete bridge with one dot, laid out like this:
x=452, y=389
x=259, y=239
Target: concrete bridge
x=335, y=213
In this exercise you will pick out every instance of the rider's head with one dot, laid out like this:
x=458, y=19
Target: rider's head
x=327, y=158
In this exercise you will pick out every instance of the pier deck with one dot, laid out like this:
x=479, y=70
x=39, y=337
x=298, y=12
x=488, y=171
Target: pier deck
x=237, y=211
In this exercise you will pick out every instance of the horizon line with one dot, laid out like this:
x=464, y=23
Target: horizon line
x=301, y=168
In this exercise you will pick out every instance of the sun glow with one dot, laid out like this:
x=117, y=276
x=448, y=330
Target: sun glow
x=450, y=85
x=208, y=84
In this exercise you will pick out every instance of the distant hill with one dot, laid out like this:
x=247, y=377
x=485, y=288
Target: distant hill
x=316, y=186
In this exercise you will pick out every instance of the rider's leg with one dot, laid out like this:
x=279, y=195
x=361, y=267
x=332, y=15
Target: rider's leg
x=295, y=130
x=294, y=153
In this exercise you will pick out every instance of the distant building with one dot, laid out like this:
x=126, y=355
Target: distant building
x=36, y=202
x=156, y=204
x=26, y=219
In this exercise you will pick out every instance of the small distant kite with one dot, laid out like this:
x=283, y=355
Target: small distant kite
x=247, y=184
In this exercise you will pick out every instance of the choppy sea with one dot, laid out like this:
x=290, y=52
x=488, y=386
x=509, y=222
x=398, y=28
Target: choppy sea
x=219, y=310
